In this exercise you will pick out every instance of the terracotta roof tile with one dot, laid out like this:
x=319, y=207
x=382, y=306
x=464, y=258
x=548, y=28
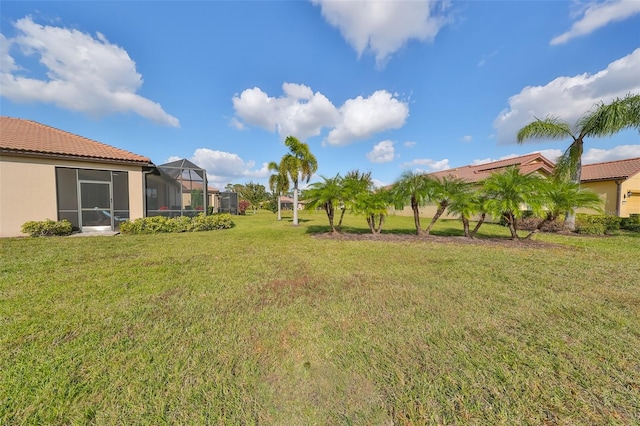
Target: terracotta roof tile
x=474, y=173
x=620, y=169
x=30, y=137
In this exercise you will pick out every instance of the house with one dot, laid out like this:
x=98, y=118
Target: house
x=47, y=173
x=474, y=173
x=617, y=183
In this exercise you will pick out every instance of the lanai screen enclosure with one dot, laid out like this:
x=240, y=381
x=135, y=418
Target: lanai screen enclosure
x=175, y=189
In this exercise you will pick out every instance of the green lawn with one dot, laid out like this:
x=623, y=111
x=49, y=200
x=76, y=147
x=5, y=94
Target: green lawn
x=265, y=324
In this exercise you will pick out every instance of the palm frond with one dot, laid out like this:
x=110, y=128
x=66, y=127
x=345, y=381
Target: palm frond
x=609, y=119
x=549, y=128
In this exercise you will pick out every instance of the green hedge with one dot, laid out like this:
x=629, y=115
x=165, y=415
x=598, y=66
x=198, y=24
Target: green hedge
x=631, y=223
x=160, y=224
x=47, y=228
x=596, y=224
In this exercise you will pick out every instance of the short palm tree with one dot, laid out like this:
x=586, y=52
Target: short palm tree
x=326, y=194
x=298, y=165
x=465, y=204
x=445, y=190
x=415, y=189
x=560, y=197
x=509, y=192
x=373, y=205
x=354, y=183
x=601, y=120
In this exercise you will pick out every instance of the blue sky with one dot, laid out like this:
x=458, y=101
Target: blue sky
x=376, y=86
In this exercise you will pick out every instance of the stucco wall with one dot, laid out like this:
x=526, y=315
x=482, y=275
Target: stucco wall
x=607, y=191
x=28, y=189
x=631, y=205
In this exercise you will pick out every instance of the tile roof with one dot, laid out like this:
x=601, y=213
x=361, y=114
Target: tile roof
x=29, y=137
x=620, y=169
x=474, y=173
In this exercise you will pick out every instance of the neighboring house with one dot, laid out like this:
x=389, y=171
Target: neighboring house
x=474, y=173
x=47, y=173
x=286, y=203
x=617, y=183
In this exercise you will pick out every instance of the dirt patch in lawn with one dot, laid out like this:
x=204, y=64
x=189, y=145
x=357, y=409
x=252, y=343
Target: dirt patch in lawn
x=408, y=238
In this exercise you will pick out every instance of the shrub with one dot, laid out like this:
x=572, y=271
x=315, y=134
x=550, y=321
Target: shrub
x=47, y=228
x=531, y=223
x=243, y=206
x=596, y=224
x=161, y=224
x=631, y=223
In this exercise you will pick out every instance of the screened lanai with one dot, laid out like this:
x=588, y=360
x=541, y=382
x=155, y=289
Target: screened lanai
x=175, y=189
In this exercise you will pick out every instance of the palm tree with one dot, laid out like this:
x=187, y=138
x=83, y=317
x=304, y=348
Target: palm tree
x=373, y=205
x=278, y=183
x=601, y=120
x=444, y=190
x=298, y=165
x=466, y=203
x=508, y=192
x=415, y=189
x=353, y=184
x=326, y=195
x=560, y=197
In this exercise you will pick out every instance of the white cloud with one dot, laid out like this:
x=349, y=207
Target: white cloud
x=598, y=15
x=569, y=97
x=361, y=117
x=383, y=152
x=224, y=167
x=620, y=152
x=299, y=112
x=467, y=138
x=302, y=113
x=409, y=144
x=84, y=73
x=427, y=165
x=384, y=27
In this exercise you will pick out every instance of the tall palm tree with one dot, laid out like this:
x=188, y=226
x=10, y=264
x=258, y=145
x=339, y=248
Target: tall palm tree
x=601, y=120
x=444, y=190
x=278, y=183
x=508, y=192
x=298, y=165
x=325, y=194
x=413, y=188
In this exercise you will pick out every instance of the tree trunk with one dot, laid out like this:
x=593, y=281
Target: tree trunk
x=478, y=225
x=416, y=215
x=439, y=212
x=279, y=214
x=328, y=207
x=341, y=217
x=465, y=225
x=380, y=223
x=570, y=217
x=295, y=204
x=371, y=224
x=511, y=221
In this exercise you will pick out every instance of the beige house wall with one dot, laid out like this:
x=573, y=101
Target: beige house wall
x=608, y=192
x=28, y=189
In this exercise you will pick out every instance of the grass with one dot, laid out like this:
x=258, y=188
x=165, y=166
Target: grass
x=265, y=324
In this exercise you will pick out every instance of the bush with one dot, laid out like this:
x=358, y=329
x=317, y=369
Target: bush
x=161, y=224
x=531, y=223
x=47, y=228
x=631, y=223
x=596, y=224
x=243, y=206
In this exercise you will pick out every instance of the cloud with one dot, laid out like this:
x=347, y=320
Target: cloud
x=409, y=144
x=362, y=117
x=620, y=152
x=383, y=152
x=598, y=15
x=427, y=165
x=467, y=138
x=384, y=27
x=224, y=167
x=84, y=73
x=568, y=97
x=485, y=58
x=304, y=114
